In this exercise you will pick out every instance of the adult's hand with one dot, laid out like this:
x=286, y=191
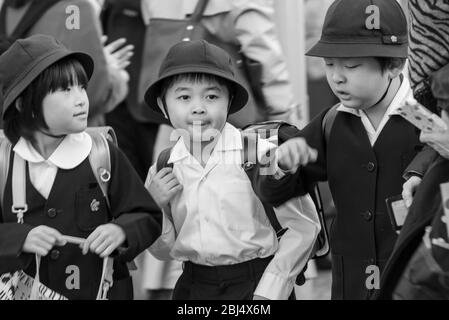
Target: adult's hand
x=438, y=140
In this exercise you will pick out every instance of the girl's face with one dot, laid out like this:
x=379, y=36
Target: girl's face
x=65, y=110
x=357, y=82
x=199, y=108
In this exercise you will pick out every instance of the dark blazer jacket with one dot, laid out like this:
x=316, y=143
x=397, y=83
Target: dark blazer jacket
x=360, y=177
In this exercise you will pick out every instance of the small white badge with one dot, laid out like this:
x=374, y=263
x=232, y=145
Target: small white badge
x=95, y=205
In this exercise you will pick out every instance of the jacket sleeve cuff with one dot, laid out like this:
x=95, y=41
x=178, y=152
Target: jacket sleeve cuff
x=140, y=230
x=12, y=238
x=274, y=287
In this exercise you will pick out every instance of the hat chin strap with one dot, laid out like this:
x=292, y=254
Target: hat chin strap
x=384, y=95
x=231, y=99
x=51, y=135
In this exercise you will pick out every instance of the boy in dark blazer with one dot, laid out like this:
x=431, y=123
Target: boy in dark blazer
x=364, y=46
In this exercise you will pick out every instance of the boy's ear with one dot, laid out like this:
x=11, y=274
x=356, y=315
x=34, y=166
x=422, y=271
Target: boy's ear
x=396, y=67
x=18, y=104
x=160, y=104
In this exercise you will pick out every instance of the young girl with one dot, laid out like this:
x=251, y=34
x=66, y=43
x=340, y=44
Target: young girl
x=45, y=109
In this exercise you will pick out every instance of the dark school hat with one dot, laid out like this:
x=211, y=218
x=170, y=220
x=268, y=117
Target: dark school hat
x=197, y=56
x=363, y=28
x=26, y=58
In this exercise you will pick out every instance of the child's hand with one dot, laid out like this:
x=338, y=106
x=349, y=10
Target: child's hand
x=409, y=189
x=104, y=240
x=164, y=186
x=41, y=239
x=294, y=153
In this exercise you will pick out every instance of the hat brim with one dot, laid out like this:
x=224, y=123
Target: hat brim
x=239, y=100
x=355, y=50
x=31, y=73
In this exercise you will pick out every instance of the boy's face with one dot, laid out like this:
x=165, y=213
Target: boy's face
x=65, y=111
x=357, y=82
x=198, y=108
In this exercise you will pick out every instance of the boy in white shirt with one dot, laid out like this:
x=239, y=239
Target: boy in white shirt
x=212, y=219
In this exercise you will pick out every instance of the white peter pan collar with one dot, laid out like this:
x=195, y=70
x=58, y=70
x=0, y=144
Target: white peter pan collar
x=73, y=150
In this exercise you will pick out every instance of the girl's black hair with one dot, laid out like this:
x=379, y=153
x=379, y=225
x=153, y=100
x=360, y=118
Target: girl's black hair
x=25, y=116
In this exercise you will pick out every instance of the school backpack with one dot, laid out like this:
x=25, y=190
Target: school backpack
x=99, y=158
x=249, y=136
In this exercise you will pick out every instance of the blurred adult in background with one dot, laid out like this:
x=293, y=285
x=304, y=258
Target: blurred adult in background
x=76, y=24
x=320, y=94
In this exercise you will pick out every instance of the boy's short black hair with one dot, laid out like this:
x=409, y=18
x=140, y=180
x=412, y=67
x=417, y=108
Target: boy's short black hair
x=26, y=117
x=194, y=78
x=387, y=63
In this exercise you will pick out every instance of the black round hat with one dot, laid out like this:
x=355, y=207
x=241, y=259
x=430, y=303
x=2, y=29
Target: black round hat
x=197, y=56
x=363, y=28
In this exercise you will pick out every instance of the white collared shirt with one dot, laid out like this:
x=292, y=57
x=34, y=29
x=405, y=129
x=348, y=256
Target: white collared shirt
x=217, y=219
x=403, y=93
x=72, y=150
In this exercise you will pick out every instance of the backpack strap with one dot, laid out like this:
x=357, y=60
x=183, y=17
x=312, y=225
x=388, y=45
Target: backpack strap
x=5, y=154
x=162, y=160
x=100, y=157
x=19, y=205
x=250, y=143
x=29, y=19
x=328, y=121
x=199, y=11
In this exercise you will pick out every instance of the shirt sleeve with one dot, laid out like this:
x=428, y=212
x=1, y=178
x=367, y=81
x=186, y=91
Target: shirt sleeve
x=295, y=247
x=161, y=248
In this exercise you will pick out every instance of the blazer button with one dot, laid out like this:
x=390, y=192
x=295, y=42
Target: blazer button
x=54, y=254
x=370, y=166
x=367, y=215
x=51, y=213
